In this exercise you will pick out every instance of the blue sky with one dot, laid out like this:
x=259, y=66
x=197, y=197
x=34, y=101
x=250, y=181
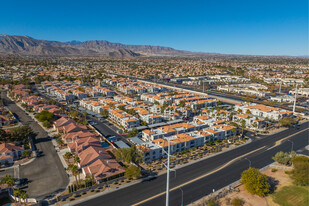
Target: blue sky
x=261, y=27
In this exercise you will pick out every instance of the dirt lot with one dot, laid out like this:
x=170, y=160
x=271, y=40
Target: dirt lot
x=279, y=177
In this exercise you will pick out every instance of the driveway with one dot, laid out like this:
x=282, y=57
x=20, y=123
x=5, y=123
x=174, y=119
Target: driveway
x=45, y=174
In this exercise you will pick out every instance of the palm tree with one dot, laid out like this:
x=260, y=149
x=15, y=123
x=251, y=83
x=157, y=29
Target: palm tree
x=67, y=155
x=8, y=180
x=23, y=195
x=17, y=194
x=76, y=159
x=75, y=170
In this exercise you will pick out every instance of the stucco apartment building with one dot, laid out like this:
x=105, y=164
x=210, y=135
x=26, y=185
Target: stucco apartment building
x=263, y=111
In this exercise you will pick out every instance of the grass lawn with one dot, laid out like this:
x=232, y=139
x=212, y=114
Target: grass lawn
x=292, y=196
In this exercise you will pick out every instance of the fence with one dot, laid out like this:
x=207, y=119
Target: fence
x=94, y=187
x=32, y=200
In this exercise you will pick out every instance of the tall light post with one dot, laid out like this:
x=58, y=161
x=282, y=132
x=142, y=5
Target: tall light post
x=295, y=100
x=168, y=153
x=249, y=162
x=292, y=144
x=168, y=173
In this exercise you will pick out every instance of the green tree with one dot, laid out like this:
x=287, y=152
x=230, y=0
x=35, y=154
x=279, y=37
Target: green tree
x=47, y=124
x=21, y=134
x=60, y=142
x=143, y=123
x=133, y=133
x=67, y=155
x=182, y=103
x=75, y=170
x=26, y=153
x=133, y=172
x=129, y=155
x=300, y=173
x=44, y=116
x=104, y=113
x=23, y=195
x=284, y=157
x=8, y=180
x=255, y=182
x=76, y=159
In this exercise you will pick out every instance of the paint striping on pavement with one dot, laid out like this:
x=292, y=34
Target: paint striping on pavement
x=200, y=177
x=223, y=166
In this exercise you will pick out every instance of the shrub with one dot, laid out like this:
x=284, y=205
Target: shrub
x=274, y=170
x=301, y=170
x=212, y=202
x=47, y=124
x=133, y=172
x=237, y=202
x=284, y=157
x=255, y=182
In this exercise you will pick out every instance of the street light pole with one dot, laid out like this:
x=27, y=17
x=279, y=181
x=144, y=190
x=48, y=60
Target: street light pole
x=168, y=153
x=292, y=144
x=249, y=162
x=168, y=173
x=294, y=106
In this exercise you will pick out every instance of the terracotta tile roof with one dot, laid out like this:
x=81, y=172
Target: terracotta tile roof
x=92, y=154
x=163, y=142
x=103, y=168
x=149, y=132
x=9, y=147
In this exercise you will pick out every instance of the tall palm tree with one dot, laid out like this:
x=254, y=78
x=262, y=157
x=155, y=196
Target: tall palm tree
x=23, y=195
x=75, y=170
x=17, y=194
x=76, y=161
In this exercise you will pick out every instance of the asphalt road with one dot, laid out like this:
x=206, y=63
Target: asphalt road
x=196, y=190
x=101, y=126
x=46, y=174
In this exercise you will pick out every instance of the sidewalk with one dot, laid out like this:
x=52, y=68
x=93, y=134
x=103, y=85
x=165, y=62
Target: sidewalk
x=109, y=190
x=15, y=166
x=51, y=132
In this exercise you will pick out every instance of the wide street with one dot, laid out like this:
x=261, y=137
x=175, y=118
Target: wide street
x=225, y=171
x=46, y=174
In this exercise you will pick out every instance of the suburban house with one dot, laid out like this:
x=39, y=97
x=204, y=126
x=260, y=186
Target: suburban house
x=10, y=152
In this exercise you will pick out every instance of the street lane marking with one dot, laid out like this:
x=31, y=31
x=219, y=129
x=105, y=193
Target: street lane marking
x=223, y=166
x=281, y=140
x=200, y=177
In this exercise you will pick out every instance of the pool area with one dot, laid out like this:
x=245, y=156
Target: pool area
x=104, y=144
x=112, y=139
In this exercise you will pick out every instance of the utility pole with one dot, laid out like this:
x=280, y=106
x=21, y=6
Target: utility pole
x=280, y=87
x=295, y=100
